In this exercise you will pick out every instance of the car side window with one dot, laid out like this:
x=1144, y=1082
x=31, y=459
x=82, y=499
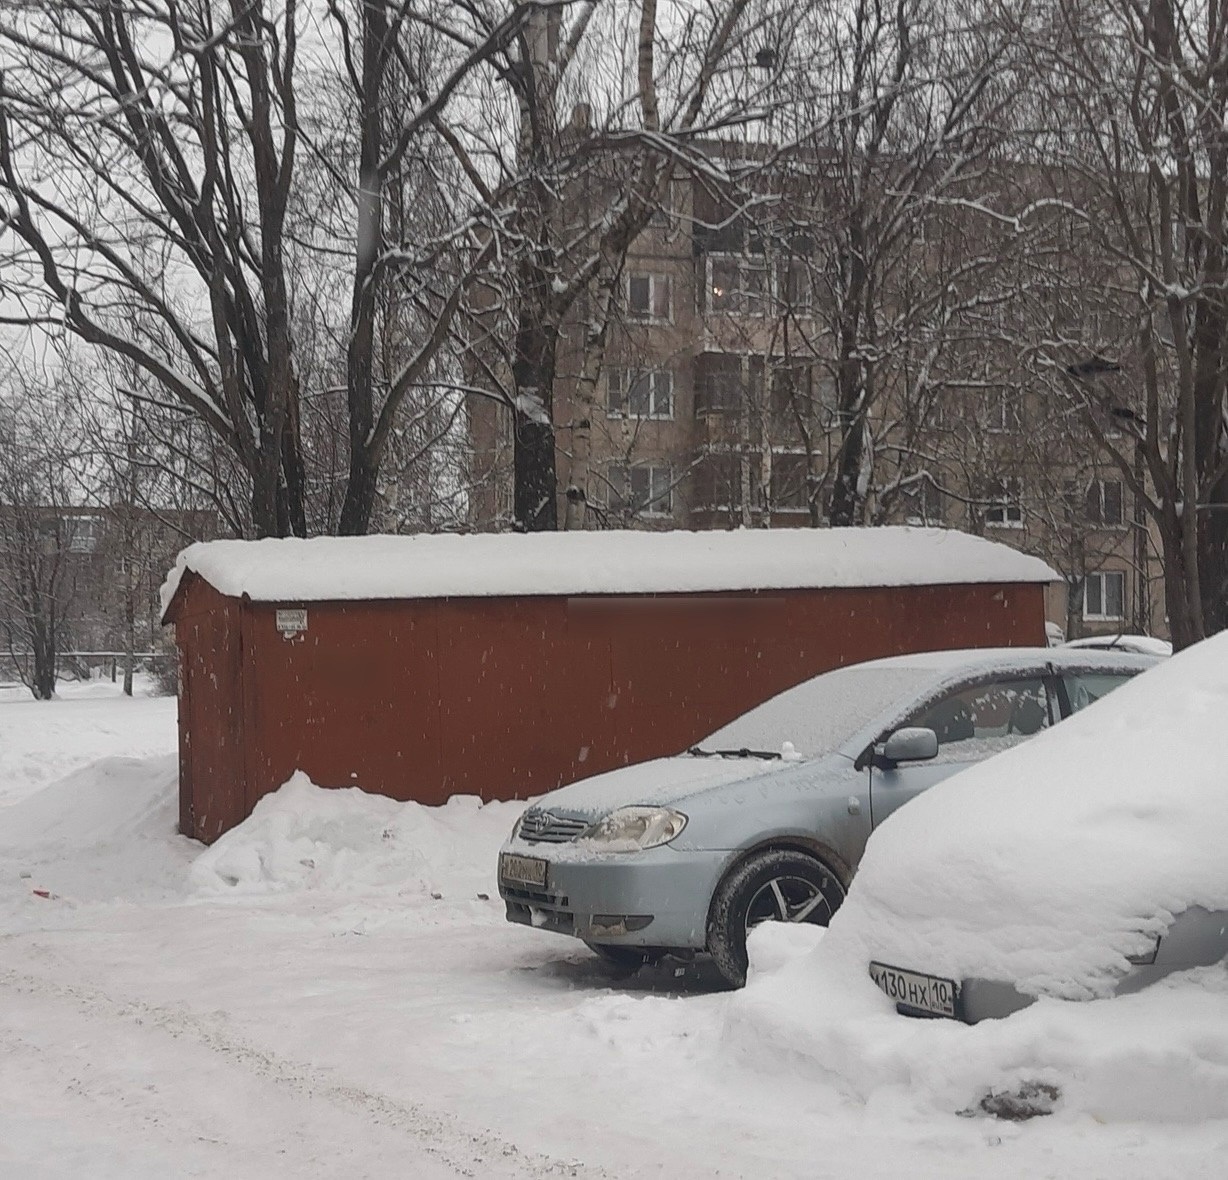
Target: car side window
x=1085, y=688
x=977, y=720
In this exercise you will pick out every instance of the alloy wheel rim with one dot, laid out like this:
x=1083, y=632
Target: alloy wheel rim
x=789, y=899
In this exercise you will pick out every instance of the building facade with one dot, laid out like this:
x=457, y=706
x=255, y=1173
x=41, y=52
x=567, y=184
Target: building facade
x=724, y=403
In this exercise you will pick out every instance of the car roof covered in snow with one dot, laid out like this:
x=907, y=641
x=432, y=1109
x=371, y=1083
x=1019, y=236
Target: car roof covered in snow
x=842, y=708
x=328, y=569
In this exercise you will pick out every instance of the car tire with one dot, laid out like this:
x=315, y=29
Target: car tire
x=626, y=960
x=779, y=885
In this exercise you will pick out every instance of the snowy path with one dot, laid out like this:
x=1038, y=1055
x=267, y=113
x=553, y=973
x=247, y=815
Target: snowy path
x=271, y=1041
x=83, y=1070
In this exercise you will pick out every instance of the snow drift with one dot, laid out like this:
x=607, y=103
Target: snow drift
x=342, y=839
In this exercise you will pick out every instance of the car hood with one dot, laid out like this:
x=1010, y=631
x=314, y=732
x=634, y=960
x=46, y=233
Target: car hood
x=662, y=782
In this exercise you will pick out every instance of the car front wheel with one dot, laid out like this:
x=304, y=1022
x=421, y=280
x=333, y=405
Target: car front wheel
x=782, y=885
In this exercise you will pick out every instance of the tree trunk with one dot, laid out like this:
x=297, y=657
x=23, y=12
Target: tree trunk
x=1181, y=619
x=1213, y=558
x=360, y=493
x=129, y=634
x=267, y=508
x=535, y=499
x=846, y=490
x=535, y=506
x=43, y=650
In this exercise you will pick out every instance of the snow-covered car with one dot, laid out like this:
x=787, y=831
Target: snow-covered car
x=768, y=817
x=1089, y=863
x=1144, y=645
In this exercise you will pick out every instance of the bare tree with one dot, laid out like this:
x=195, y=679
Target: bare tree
x=41, y=536
x=152, y=156
x=898, y=108
x=1135, y=150
x=595, y=148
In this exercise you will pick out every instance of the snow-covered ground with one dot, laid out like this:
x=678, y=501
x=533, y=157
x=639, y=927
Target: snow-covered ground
x=332, y=990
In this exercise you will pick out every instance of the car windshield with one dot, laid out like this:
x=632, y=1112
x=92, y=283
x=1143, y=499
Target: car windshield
x=818, y=715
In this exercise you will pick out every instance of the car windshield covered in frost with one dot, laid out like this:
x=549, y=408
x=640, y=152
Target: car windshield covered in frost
x=767, y=818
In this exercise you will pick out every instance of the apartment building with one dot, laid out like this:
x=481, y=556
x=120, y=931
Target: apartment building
x=718, y=407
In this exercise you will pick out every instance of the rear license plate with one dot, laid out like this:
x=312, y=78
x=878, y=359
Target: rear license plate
x=925, y=993
x=522, y=870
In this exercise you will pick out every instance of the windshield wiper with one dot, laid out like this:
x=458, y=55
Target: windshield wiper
x=766, y=755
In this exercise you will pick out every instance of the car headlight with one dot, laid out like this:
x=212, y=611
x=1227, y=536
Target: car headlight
x=631, y=829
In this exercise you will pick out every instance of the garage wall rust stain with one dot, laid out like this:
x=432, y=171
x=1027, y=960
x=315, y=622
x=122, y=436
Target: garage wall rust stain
x=509, y=697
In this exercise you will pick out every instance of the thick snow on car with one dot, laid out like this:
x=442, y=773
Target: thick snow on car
x=767, y=818
x=1089, y=863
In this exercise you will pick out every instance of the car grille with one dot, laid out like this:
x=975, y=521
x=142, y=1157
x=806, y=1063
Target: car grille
x=541, y=827
x=537, y=897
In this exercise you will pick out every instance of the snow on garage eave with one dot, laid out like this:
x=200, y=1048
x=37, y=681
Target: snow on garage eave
x=492, y=565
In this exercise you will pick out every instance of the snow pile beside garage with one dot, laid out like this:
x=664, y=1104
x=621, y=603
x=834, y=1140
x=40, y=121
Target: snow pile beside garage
x=305, y=837
x=342, y=569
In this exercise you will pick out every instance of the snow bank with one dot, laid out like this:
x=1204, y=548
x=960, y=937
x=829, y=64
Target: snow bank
x=41, y=741
x=304, y=837
x=1047, y=866
x=107, y=830
x=614, y=562
x=1158, y=1056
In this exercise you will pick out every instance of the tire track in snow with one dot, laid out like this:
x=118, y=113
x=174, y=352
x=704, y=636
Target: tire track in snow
x=441, y=1136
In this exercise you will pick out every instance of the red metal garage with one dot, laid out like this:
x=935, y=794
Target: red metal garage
x=502, y=666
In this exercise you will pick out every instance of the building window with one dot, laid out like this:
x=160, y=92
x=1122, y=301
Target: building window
x=642, y=489
x=718, y=481
x=1104, y=595
x=649, y=297
x=1104, y=503
x=790, y=485
x=1003, y=416
x=84, y=533
x=726, y=383
x=741, y=286
x=922, y=502
x=1004, y=503
x=640, y=393
x=1098, y=503
x=798, y=287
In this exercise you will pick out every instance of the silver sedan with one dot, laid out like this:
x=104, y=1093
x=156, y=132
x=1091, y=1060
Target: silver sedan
x=767, y=818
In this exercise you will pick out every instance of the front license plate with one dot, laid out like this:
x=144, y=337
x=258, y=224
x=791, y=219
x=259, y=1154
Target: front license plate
x=522, y=870
x=925, y=993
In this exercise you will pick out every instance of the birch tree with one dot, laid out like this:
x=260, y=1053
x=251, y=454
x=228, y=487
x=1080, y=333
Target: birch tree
x=608, y=101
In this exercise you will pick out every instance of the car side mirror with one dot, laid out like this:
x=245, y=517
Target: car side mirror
x=913, y=743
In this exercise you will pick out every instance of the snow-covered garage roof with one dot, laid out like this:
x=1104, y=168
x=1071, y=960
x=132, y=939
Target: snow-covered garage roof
x=492, y=565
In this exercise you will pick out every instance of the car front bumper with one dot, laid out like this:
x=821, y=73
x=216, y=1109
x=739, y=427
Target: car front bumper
x=658, y=898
